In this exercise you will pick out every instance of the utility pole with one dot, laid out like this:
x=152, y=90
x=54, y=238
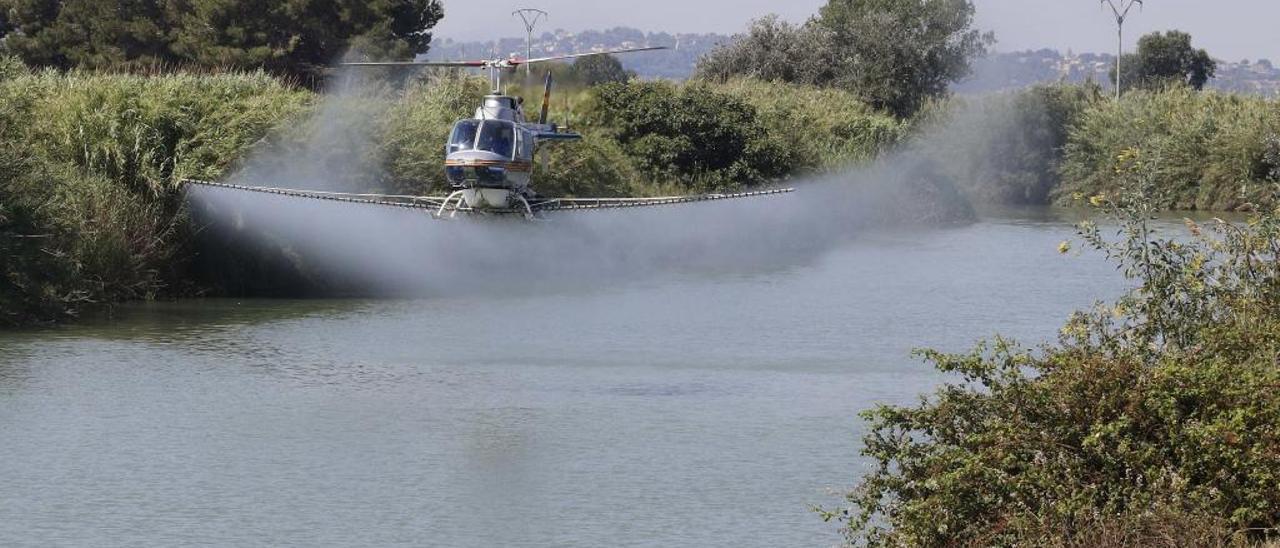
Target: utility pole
x=530, y=17
x=1121, y=12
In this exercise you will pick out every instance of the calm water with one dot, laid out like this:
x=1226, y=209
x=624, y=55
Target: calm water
x=681, y=410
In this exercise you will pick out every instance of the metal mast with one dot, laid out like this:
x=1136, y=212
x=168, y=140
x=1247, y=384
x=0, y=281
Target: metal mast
x=1121, y=12
x=530, y=17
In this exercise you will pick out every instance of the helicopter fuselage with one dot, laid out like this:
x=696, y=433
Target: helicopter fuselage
x=489, y=158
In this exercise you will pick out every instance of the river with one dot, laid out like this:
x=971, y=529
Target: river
x=692, y=409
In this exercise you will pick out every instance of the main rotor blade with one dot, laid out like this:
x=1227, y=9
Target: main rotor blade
x=576, y=55
x=417, y=64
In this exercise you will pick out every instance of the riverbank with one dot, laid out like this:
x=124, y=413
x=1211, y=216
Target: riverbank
x=91, y=212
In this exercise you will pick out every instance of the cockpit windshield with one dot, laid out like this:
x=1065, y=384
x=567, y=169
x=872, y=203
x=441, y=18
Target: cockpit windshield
x=464, y=135
x=498, y=137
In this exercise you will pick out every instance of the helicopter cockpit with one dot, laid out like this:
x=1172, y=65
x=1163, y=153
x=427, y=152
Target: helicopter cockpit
x=493, y=136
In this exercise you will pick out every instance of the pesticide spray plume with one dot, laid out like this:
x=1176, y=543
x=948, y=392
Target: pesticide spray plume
x=340, y=248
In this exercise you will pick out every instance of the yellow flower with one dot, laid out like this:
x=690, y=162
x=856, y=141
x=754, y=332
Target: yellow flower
x=1098, y=200
x=1064, y=247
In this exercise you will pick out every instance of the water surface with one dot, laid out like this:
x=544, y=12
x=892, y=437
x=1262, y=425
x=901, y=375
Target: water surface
x=685, y=409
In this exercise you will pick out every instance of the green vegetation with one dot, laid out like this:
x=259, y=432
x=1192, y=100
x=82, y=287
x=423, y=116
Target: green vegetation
x=1055, y=144
x=1209, y=151
x=89, y=207
x=1150, y=422
x=298, y=39
x=1165, y=59
x=601, y=69
x=693, y=134
x=891, y=54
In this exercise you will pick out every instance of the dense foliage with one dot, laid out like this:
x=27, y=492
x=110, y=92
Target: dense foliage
x=601, y=69
x=694, y=134
x=293, y=38
x=1167, y=59
x=1151, y=422
x=89, y=206
x=1216, y=152
x=891, y=54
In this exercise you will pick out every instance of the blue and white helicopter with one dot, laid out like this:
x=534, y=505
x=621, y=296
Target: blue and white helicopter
x=489, y=158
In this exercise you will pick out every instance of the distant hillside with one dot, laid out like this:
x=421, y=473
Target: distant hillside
x=677, y=64
x=999, y=72
x=1009, y=71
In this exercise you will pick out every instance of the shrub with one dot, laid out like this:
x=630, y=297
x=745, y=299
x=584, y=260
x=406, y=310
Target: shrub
x=1270, y=167
x=693, y=134
x=1161, y=407
x=1209, y=150
x=819, y=128
x=418, y=123
x=90, y=193
x=11, y=67
x=601, y=69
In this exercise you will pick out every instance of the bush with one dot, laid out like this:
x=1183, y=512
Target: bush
x=1162, y=407
x=90, y=194
x=1270, y=168
x=601, y=69
x=692, y=134
x=418, y=124
x=1209, y=150
x=11, y=67
x=819, y=128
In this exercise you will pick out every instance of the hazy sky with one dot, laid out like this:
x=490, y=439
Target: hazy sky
x=1229, y=29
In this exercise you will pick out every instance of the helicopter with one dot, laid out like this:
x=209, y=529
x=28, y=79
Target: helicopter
x=489, y=158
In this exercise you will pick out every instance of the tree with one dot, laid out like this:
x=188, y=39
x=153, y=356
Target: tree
x=93, y=33
x=898, y=53
x=773, y=50
x=894, y=54
x=300, y=39
x=601, y=69
x=1165, y=58
x=297, y=39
